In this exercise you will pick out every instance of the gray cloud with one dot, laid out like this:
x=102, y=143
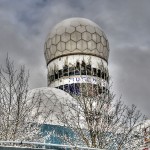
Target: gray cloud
x=133, y=75
x=24, y=26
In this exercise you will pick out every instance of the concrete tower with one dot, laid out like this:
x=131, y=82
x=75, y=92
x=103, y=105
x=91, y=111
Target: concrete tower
x=76, y=52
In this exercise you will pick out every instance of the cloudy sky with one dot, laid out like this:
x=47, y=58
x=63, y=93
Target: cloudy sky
x=24, y=25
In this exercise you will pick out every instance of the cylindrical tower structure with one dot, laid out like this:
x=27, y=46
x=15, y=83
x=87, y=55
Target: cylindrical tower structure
x=76, y=52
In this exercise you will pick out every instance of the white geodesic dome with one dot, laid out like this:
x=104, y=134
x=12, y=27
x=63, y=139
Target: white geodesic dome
x=47, y=104
x=76, y=36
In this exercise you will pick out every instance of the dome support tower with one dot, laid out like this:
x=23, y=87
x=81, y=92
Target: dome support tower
x=76, y=53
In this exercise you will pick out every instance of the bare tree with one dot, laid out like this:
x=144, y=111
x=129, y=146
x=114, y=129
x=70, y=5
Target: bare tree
x=13, y=92
x=95, y=118
x=101, y=122
x=19, y=115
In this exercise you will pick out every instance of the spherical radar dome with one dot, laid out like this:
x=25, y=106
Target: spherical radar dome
x=76, y=36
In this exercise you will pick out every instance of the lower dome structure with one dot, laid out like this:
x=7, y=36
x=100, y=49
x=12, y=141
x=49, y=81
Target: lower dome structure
x=47, y=102
x=47, y=109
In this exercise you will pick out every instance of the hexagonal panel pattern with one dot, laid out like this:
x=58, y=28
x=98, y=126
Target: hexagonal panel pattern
x=90, y=29
x=96, y=38
x=76, y=35
x=91, y=45
x=71, y=45
x=60, y=46
x=65, y=37
x=70, y=29
x=55, y=39
x=53, y=47
x=86, y=36
x=100, y=47
x=81, y=29
x=82, y=45
x=103, y=40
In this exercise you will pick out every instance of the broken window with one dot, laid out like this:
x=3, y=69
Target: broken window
x=71, y=71
x=60, y=72
x=88, y=68
x=94, y=72
x=56, y=75
x=65, y=70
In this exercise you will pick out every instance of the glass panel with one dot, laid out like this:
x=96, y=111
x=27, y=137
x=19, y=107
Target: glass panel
x=60, y=72
x=49, y=78
x=104, y=90
x=71, y=71
x=52, y=77
x=77, y=72
x=61, y=87
x=103, y=75
x=94, y=72
x=107, y=77
x=56, y=75
x=66, y=88
x=77, y=88
x=99, y=73
x=71, y=88
x=83, y=71
x=99, y=90
x=78, y=65
x=88, y=68
x=83, y=64
x=65, y=70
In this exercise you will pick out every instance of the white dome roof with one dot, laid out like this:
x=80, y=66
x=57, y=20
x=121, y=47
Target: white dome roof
x=76, y=36
x=47, y=102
